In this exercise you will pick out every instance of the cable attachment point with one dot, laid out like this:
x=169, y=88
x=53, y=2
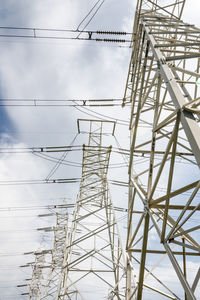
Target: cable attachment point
x=90, y=35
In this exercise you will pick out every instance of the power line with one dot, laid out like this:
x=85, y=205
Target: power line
x=36, y=207
x=61, y=34
x=93, y=15
x=19, y=102
x=99, y=116
x=72, y=163
x=60, y=161
x=51, y=181
x=39, y=181
x=50, y=149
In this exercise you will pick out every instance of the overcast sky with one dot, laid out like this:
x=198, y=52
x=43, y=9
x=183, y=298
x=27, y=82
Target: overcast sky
x=55, y=69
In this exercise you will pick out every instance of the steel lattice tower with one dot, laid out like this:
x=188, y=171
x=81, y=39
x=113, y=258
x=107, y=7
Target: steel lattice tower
x=93, y=256
x=87, y=255
x=57, y=255
x=35, y=289
x=162, y=88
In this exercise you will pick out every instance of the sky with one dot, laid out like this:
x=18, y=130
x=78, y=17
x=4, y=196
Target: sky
x=55, y=69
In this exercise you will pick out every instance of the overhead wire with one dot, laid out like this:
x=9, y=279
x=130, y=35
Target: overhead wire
x=105, y=116
x=72, y=163
x=60, y=34
x=39, y=181
x=96, y=115
x=36, y=207
x=59, y=102
x=64, y=162
x=53, y=181
x=92, y=17
x=48, y=149
x=58, y=163
x=41, y=153
x=123, y=156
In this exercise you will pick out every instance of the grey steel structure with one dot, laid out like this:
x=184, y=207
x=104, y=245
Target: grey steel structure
x=94, y=264
x=52, y=280
x=164, y=93
x=87, y=256
x=35, y=288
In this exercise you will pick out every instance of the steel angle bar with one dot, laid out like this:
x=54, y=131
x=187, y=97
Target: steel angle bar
x=196, y=280
x=92, y=212
x=149, y=272
x=77, y=280
x=91, y=233
x=186, y=231
x=189, y=123
x=171, y=223
x=185, y=245
x=99, y=252
x=179, y=44
x=164, y=252
x=176, y=192
x=162, y=164
x=136, y=122
x=163, y=134
x=174, y=207
x=170, y=178
x=136, y=77
x=171, y=24
x=147, y=170
x=175, y=264
x=140, y=191
x=156, y=7
x=103, y=280
x=91, y=196
x=185, y=71
x=180, y=57
x=143, y=257
x=174, y=229
x=80, y=259
x=135, y=232
x=159, y=292
x=168, y=120
x=173, y=32
x=187, y=218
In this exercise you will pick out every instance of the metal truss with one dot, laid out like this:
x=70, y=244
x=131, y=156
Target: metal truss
x=57, y=255
x=94, y=264
x=35, y=289
x=162, y=87
x=47, y=266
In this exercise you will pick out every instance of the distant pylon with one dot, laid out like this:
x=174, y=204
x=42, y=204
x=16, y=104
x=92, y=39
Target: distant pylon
x=94, y=263
x=35, y=289
x=57, y=255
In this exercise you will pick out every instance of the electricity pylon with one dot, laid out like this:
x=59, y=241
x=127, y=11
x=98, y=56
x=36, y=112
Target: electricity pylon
x=87, y=259
x=47, y=267
x=164, y=92
x=93, y=263
x=35, y=289
x=57, y=255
